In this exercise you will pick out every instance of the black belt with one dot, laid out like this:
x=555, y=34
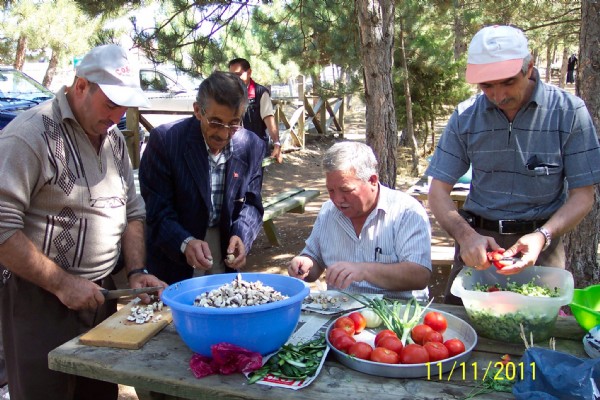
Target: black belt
x=506, y=226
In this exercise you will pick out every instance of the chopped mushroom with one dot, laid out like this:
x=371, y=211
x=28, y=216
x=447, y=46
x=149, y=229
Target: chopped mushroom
x=239, y=293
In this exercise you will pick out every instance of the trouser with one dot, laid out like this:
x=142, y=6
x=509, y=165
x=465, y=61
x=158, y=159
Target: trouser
x=35, y=322
x=213, y=238
x=553, y=256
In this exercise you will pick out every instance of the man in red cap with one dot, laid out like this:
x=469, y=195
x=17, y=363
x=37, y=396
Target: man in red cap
x=534, y=154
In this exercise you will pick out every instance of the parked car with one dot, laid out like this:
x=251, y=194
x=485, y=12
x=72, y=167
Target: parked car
x=167, y=89
x=19, y=92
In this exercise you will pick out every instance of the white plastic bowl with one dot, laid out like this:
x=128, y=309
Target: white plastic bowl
x=498, y=315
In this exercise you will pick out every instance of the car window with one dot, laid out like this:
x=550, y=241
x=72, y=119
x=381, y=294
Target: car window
x=15, y=84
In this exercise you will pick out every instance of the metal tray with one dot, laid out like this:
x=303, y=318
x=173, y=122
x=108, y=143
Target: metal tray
x=457, y=328
x=341, y=302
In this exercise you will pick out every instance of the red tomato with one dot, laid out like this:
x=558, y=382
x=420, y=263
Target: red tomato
x=360, y=350
x=337, y=332
x=433, y=336
x=437, y=351
x=343, y=343
x=414, y=354
x=391, y=343
x=383, y=355
x=346, y=324
x=436, y=321
x=360, y=323
x=455, y=346
x=384, y=333
x=418, y=333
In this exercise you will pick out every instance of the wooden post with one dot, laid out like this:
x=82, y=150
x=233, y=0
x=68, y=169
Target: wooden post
x=133, y=125
x=341, y=119
x=300, y=103
x=323, y=115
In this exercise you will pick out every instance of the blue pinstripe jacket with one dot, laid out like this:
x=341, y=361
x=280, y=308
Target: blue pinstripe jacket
x=175, y=184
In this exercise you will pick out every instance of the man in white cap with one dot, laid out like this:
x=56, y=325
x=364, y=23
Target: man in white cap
x=535, y=159
x=68, y=210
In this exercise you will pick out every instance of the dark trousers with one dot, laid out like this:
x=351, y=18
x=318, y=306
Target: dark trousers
x=35, y=322
x=553, y=256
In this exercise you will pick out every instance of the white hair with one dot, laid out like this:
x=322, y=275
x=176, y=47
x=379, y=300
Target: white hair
x=345, y=156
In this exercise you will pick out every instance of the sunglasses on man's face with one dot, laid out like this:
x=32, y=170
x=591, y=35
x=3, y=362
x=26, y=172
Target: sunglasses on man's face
x=219, y=126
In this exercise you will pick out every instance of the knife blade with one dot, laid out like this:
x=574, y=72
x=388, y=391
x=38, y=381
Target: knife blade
x=115, y=294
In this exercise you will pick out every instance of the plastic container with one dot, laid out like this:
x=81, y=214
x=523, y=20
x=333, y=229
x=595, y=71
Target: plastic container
x=498, y=315
x=263, y=328
x=586, y=306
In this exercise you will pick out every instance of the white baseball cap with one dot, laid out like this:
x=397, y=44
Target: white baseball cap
x=496, y=52
x=109, y=67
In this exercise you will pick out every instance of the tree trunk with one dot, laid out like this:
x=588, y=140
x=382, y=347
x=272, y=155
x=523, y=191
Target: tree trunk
x=548, y=62
x=376, y=30
x=582, y=243
x=460, y=44
x=20, y=53
x=563, y=68
x=51, y=70
x=409, y=133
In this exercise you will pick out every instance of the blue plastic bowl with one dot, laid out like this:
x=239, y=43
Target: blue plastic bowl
x=263, y=328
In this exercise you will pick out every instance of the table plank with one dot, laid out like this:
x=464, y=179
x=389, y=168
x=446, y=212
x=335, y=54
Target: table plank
x=162, y=366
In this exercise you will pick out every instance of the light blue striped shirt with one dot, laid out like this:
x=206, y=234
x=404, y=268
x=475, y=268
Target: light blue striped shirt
x=399, y=226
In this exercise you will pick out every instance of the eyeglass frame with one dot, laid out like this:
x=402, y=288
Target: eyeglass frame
x=219, y=125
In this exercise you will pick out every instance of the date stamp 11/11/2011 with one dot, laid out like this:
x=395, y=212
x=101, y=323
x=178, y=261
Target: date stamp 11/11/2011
x=497, y=371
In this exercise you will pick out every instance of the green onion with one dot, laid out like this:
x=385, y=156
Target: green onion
x=390, y=313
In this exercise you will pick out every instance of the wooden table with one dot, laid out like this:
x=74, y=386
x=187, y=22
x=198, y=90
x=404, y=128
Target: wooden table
x=162, y=366
x=420, y=191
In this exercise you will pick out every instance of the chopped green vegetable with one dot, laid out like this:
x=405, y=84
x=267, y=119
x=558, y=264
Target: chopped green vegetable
x=297, y=362
x=506, y=327
x=526, y=289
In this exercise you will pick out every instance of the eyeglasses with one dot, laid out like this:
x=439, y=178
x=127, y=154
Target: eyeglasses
x=218, y=125
x=108, y=202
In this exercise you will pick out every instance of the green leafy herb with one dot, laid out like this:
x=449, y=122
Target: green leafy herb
x=495, y=381
x=297, y=362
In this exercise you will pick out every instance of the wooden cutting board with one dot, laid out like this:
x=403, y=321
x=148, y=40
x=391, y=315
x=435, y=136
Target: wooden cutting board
x=116, y=331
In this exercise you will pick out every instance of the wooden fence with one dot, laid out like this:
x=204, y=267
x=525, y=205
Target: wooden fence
x=294, y=116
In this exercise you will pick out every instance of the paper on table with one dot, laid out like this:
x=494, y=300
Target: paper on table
x=310, y=326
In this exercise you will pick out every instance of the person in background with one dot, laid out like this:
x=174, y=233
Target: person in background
x=571, y=64
x=201, y=178
x=535, y=158
x=259, y=117
x=68, y=208
x=369, y=238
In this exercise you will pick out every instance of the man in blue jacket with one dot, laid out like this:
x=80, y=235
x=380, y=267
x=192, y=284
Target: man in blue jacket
x=201, y=178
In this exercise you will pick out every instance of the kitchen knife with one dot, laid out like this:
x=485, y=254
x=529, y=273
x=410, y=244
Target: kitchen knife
x=115, y=294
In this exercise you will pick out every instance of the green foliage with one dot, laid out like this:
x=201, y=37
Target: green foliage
x=435, y=78
x=313, y=34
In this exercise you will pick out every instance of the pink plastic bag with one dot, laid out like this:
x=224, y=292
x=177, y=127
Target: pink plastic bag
x=226, y=359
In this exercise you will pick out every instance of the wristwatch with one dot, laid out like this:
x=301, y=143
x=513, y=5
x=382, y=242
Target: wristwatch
x=137, y=271
x=185, y=243
x=547, y=235
x=277, y=143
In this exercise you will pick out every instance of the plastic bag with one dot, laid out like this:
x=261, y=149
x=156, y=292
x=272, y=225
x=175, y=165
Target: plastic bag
x=227, y=359
x=557, y=376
